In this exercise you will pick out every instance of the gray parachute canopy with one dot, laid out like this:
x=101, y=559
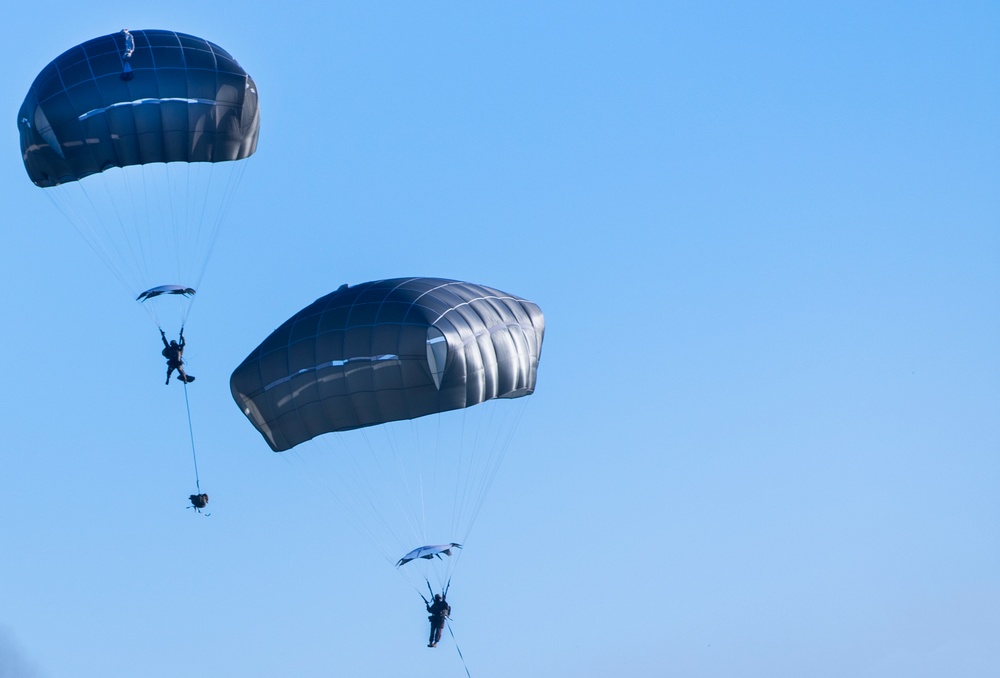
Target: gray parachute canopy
x=133, y=98
x=386, y=351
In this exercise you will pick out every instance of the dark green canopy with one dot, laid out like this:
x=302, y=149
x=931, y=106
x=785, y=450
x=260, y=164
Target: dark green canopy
x=386, y=351
x=133, y=98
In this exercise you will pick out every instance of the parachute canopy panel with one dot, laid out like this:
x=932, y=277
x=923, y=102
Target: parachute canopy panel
x=386, y=351
x=133, y=98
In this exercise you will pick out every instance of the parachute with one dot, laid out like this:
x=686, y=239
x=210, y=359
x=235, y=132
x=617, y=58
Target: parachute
x=371, y=362
x=133, y=135
x=136, y=137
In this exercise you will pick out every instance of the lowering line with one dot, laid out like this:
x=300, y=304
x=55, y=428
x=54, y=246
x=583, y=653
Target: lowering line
x=194, y=454
x=464, y=665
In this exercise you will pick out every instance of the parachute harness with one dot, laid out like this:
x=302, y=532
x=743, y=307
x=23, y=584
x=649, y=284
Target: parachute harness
x=444, y=591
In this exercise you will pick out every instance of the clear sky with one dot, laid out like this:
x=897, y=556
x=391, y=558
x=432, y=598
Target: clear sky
x=766, y=435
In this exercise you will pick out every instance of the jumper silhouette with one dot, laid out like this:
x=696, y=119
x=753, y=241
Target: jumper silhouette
x=174, y=353
x=440, y=611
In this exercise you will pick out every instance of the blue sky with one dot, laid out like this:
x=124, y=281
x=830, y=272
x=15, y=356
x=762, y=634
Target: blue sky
x=766, y=238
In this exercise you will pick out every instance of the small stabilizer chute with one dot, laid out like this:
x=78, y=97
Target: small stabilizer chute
x=165, y=289
x=428, y=552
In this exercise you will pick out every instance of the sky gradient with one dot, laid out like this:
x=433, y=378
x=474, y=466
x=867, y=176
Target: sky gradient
x=764, y=442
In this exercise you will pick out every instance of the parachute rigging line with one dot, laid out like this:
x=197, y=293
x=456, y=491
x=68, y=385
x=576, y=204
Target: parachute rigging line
x=73, y=216
x=363, y=527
